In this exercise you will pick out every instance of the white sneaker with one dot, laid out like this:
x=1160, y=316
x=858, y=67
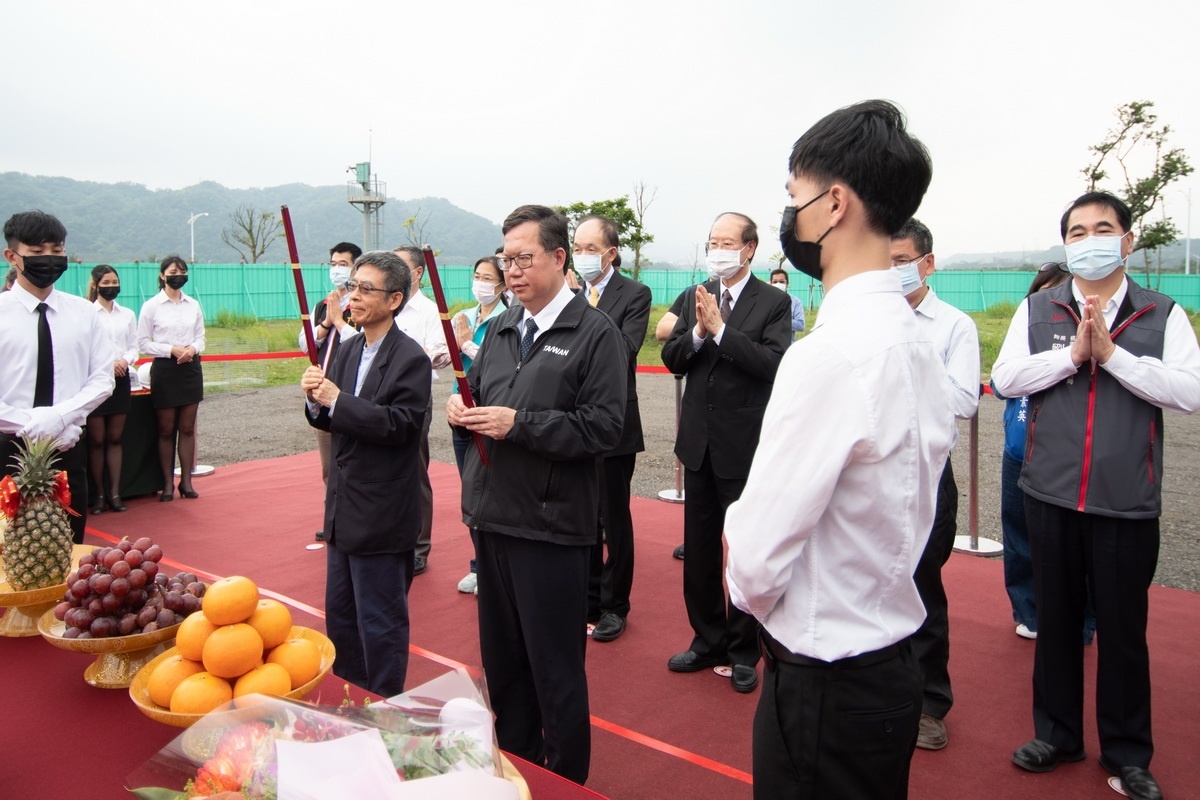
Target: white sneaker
x=468, y=584
x=1024, y=632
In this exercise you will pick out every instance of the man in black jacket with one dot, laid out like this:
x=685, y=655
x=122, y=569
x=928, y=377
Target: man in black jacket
x=729, y=339
x=373, y=401
x=549, y=383
x=627, y=303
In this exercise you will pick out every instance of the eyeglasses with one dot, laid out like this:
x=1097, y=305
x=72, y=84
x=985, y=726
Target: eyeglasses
x=725, y=245
x=522, y=260
x=1049, y=265
x=355, y=286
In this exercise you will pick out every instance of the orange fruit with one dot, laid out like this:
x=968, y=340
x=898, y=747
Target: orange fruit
x=300, y=657
x=192, y=634
x=232, y=650
x=167, y=675
x=200, y=694
x=273, y=622
x=270, y=679
x=230, y=600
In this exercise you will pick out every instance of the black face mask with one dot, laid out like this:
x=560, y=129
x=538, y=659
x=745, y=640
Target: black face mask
x=175, y=281
x=43, y=271
x=109, y=293
x=805, y=256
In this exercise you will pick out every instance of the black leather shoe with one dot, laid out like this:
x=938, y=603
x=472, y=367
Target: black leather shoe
x=691, y=661
x=420, y=565
x=744, y=678
x=97, y=507
x=190, y=494
x=1137, y=782
x=115, y=504
x=609, y=627
x=678, y=553
x=166, y=497
x=1038, y=756
x=319, y=536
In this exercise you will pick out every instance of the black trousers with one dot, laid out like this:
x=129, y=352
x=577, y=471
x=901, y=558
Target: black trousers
x=425, y=537
x=611, y=578
x=721, y=628
x=366, y=616
x=845, y=729
x=74, y=461
x=532, y=620
x=931, y=642
x=1118, y=557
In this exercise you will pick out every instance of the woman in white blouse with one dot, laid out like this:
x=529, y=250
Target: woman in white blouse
x=106, y=424
x=171, y=328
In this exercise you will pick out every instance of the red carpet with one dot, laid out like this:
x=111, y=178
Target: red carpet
x=655, y=732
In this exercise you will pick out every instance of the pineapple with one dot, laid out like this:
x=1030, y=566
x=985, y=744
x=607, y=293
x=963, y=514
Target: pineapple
x=37, y=544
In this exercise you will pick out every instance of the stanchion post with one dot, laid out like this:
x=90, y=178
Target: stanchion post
x=676, y=495
x=972, y=544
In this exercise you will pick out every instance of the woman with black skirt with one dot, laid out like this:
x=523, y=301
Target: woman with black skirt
x=171, y=328
x=106, y=424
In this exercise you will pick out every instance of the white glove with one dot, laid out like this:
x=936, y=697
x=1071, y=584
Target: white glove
x=43, y=422
x=69, y=437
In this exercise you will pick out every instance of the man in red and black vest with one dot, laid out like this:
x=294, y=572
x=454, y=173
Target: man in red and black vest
x=1100, y=358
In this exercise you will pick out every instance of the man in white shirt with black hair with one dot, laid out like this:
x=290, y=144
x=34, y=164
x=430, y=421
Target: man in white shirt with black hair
x=860, y=422
x=956, y=341
x=57, y=356
x=419, y=319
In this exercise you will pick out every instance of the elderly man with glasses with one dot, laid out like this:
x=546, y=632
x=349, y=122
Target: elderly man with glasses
x=549, y=383
x=373, y=401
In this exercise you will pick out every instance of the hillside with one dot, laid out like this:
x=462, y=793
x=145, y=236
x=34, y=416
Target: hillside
x=126, y=221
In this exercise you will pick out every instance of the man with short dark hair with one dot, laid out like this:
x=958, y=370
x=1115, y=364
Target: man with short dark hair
x=420, y=321
x=729, y=351
x=549, y=384
x=57, y=362
x=956, y=342
x=779, y=279
x=860, y=423
x=373, y=403
x=1100, y=358
x=596, y=258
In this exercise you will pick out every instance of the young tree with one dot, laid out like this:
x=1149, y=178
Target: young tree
x=251, y=232
x=414, y=229
x=1137, y=141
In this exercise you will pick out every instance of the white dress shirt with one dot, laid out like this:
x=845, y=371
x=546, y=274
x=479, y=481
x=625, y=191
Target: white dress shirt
x=841, y=494
x=420, y=321
x=1172, y=383
x=122, y=330
x=83, y=362
x=957, y=342
x=548, y=315
x=735, y=292
x=598, y=285
x=164, y=324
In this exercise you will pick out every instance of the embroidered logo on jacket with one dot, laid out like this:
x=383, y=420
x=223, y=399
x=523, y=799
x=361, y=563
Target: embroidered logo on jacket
x=558, y=351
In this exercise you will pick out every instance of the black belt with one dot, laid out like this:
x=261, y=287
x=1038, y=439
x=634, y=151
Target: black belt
x=774, y=652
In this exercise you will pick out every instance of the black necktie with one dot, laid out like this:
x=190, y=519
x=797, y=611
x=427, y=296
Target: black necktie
x=43, y=391
x=527, y=339
x=726, y=305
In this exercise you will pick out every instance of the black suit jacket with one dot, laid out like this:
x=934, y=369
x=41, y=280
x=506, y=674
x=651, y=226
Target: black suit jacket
x=728, y=386
x=372, y=502
x=627, y=303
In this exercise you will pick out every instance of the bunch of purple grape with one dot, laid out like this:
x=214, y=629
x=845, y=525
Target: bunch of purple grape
x=118, y=591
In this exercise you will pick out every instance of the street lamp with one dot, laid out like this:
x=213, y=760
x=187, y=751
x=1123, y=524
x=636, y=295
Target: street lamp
x=192, y=225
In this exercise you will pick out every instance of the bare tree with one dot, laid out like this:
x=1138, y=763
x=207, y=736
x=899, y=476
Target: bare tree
x=251, y=232
x=414, y=229
x=637, y=238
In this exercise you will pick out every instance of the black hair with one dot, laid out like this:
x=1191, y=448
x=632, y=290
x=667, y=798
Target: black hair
x=552, y=228
x=168, y=262
x=866, y=146
x=495, y=262
x=346, y=247
x=98, y=273
x=34, y=227
x=780, y=271
x=609, y=232
x=918, y=233
x=749, y=229
x=1050, y=275
x=10, y=279
x=418, y=257
x=1124, y=217
x=396, y=275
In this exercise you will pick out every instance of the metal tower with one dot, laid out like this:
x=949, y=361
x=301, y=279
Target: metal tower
x=368, y=194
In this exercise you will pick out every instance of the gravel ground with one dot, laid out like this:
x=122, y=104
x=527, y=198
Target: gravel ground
x=264, y=423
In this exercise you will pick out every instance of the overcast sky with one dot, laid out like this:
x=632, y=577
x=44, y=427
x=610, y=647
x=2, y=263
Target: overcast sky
x=495, y=104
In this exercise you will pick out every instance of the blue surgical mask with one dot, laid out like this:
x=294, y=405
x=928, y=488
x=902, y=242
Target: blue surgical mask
x=910, y=276
x=588, y=265
x=1095, y=258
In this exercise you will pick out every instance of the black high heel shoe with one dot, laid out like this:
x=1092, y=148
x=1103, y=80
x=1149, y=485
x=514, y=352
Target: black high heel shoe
x=115, y=504
x=190, y=494
x=167, y=495
x=97, y=507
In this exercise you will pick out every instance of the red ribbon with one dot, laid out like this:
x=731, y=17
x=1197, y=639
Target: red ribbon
x=62, y=493
x=10, y=497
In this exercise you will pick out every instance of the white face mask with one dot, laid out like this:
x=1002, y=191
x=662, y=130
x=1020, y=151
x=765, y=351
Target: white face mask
x=1096, y=257
x=484, y=292
x=724, y=264
x=590, y=266
x=780, y=286
x=339, y=276
x=910, y=276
